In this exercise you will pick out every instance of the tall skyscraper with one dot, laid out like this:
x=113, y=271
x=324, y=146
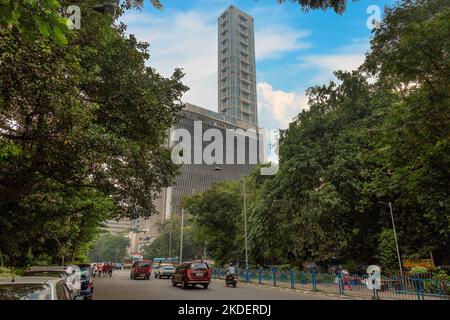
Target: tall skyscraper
x=237, y=70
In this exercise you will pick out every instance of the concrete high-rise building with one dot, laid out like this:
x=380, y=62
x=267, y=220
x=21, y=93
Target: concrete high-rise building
x=198, y=175
x=117, y=227
x=236, y=66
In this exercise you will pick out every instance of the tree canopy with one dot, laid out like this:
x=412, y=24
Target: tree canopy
x=82, y=127
x=109, y=248
x=378, y=134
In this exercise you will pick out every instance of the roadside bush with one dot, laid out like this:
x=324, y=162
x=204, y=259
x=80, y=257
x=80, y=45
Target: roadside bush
x=419, y=270
x=6, y=273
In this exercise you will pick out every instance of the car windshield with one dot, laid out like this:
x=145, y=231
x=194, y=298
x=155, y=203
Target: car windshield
x=85, y=272
x=56, y=274
x=25, y=292
x=143, y=265
x=168, y=268
x=200, y=265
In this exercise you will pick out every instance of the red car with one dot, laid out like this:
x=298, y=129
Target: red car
x=191, y=274
x=141, y=269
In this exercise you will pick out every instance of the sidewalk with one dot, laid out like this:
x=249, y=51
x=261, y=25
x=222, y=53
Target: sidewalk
x=304, y=291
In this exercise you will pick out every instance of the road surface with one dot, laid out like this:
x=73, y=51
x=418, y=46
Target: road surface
x=121, y=287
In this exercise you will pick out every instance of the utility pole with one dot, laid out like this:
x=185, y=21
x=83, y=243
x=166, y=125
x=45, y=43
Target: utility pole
x=396, y=242
x=245, y=226
x=170, y=238
x=181, y=236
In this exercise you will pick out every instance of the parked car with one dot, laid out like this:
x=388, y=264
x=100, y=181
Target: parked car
x=34, y=288
x=166, y=270
x=68, y=273
x=87, y=281
x=191, y=274
x=141, y=269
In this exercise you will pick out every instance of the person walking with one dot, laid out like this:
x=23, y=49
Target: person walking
x=346, y=279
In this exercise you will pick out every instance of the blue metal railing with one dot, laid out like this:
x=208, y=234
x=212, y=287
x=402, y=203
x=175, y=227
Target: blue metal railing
x=405, y=287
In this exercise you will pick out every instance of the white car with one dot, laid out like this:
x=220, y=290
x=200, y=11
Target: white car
x=166, y=270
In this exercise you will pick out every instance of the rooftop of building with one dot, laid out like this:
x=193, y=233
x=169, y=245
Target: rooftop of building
x=215, y=116
x=234, y=8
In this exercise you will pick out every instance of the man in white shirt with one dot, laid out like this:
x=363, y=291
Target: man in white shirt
x=230, y=270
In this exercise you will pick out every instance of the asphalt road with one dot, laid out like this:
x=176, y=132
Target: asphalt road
x=121, y=287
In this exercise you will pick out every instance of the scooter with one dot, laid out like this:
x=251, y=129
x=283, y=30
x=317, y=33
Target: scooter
x=231, y=280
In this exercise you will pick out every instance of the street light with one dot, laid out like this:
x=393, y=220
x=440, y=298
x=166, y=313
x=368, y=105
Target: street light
x=245, y=219
x=181, y=237
x=108, y=7
x=389, y=204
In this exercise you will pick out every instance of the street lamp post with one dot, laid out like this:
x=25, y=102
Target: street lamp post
x=181, y=237
x=170, y=238
x=395, y=236
x=245, y=226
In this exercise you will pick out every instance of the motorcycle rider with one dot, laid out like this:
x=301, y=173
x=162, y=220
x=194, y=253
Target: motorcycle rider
x=230, y=271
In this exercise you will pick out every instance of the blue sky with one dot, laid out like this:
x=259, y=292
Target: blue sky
x=294, y=50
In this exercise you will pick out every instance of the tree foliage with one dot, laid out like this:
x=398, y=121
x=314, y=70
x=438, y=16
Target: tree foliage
x=337, y=5
x=167, y=244
x=387, y=251
x=109, y=247
x=380, y=133
x=217, y=216
x=81, y=132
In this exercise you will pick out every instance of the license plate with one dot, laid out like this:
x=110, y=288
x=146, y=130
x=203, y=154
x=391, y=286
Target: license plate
x=199, y=274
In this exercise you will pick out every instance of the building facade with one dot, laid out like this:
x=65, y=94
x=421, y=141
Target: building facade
x=117, y=227
x=237, y=153
x=237, y=66
x=235, y=129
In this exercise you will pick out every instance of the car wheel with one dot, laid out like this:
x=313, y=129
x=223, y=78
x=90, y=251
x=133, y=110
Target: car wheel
x=184, y=284
x=156, y=276
x=174, y=284
x=88, y=298
x=205, y=285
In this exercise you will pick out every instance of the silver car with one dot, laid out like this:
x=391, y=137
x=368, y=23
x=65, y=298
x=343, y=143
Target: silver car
x=165, y=271
x=70, y=274
x=34, y=288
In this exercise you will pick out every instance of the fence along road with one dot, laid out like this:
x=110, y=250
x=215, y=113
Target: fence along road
x=392, y=288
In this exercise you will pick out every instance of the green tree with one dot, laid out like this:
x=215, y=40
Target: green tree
x=81, y=132
x=218, y=220
x=169, y=237
x=337, y=5
x=109, y=247
x=412, y=146
x=387, y=252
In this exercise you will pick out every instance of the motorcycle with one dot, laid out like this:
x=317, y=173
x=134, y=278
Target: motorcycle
x=231, y=280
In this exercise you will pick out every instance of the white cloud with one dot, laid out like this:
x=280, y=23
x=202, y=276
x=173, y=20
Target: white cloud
x=281, y=105
x=272, y=41
x=346, y=58
x=189, y=40
x=329, y=63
